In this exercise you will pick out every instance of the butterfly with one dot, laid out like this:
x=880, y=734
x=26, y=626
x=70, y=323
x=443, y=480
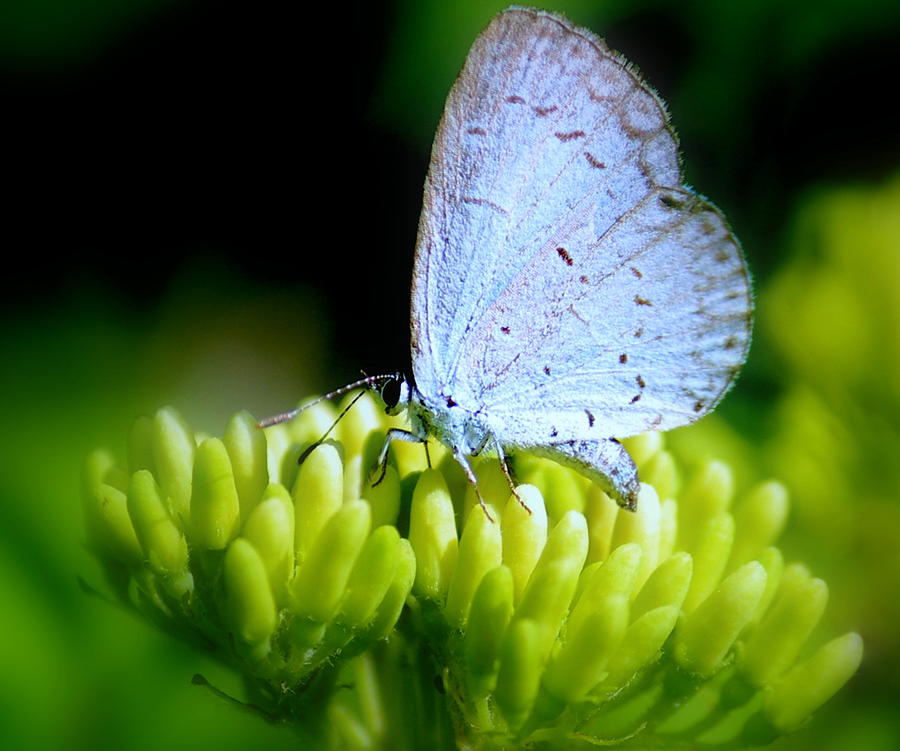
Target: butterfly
x=568, y=289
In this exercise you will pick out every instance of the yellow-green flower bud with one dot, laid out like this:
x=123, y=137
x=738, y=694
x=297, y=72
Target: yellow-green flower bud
x=432, y=534
x=562, y=490
x=318, y=495
x=356, y=424
x=322, y=578
x=615, y=577
x=641, y=645
x=388, y=610
x=524, y=527
x=811, y=683
x=246, y=445
x=270, y=529
x=710, y=552
x=643, y=447
x=384, y=498
x=161, y=539
x=581, y=662
x=215, y=509
x=667, y=585
x=489, y=616
x=480, y=550
x=660, y=472
x=547, y=597
x=173, y=459
x=106, y=512
x=371, y=576
x=642, y=526
x=601, y=513
x=247, y=592
x=759, y=519
x=553, y=582
x=708, y=494
x=773, y=561
x=777, y=641
x=519, y=676
x=704, y=639
x=668, y=527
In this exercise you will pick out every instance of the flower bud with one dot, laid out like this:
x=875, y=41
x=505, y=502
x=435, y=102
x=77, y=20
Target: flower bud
x=318, y=495
x=246, y=445
x=173, y=459
x=322, y=578
x=270, y=529
x=489, y=616
x=710, y=552
x=247, y=591
x=520, y=671
x=811, y=683
x=432, y=534
x=524, y=527
x=703, y=640
x=161, y=540
x=759, y=519
x=215, y=509
x=480, y=550
x=777, y=641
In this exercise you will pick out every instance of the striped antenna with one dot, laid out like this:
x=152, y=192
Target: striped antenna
x=290, y=415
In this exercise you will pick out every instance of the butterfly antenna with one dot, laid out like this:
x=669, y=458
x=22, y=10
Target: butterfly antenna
x=290, y=415
x=309, y=449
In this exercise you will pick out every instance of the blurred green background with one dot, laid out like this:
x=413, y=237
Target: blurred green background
x=213, y=205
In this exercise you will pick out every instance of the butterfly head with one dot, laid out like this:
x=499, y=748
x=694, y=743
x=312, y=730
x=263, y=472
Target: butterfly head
x=394, y=391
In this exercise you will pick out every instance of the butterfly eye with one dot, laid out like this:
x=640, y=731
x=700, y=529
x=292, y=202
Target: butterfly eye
x=395, y=395
x=390, y=393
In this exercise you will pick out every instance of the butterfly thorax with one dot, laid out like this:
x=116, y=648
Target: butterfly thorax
x=462, y=430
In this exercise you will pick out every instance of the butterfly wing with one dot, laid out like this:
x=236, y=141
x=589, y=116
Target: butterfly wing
x=566, y=283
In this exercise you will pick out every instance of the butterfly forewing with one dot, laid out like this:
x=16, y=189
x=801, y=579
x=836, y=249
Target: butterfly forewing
x=566, y=283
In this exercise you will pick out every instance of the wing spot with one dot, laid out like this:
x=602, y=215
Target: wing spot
x=708, y=227
x=638, y=300
x=564, y=254
x=504, y=329
x=571, y=136
x=515, y=99
x=639, y=333
x=623, y=358
x=699, y=405
x=730, y=342
x=722, y=256
x=484, y=202
x=553, y=432
x=546, y=370
x=477, y=131
x=544, y=111
x=590, y=417
x=641, y=382
x=593, y=161
x=637, y=272
x=599, y=98
x=583, y=279
x=635, y=398
x=670, y=202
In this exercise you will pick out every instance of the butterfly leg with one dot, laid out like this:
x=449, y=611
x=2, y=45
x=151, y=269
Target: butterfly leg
x=504, y=465
x=473, y=480
x=397, y=434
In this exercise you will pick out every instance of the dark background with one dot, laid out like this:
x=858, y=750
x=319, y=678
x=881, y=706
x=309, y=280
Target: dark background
x=214, y=204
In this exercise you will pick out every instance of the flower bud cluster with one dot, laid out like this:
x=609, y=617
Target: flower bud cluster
x=552, y=615
x=280, y=571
